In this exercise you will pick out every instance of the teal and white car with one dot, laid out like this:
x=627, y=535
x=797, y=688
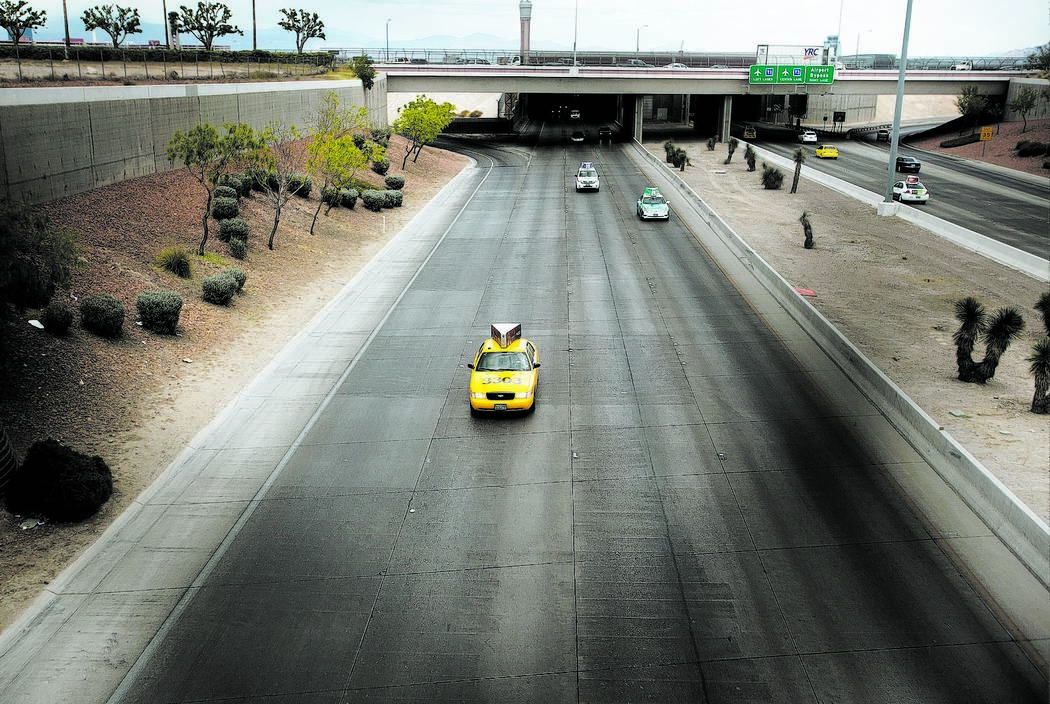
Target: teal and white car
x=653, y=206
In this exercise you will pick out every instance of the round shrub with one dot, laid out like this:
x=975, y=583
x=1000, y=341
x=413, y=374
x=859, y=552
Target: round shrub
x=373, y=200
x=224, y=208
x=57, y=317
x=359, y=141
x=381, y=165
x=1026, y=148
x=393, y=199
x=381, y=136
x=225, y=192
x=60, y=483
x=238, y=248
x=348, y=197
x=159, y=310
x=233, y=229
x=330, y=196
x=219, y=289
x=238, y=275
x=394, y=182
x=300, y=185
x=233, y=181
x=102, y=314
x=772, y=177
x=176, y=260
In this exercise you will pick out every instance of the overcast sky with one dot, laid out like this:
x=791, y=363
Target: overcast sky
x=939, y=27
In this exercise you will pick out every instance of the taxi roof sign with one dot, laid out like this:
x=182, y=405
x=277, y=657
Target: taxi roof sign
x=651, y=191
x=586, y=165
x=504, y=334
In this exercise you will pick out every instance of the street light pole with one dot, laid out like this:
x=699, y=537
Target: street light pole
x=638, y=38
x=388, y=40
x=857, y=57
x=575, y=30
x=895, y=132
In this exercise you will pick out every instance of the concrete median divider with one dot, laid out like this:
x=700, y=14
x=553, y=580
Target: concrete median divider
x=1020, y=529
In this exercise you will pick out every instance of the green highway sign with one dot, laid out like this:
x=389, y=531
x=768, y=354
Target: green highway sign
x=792, y=73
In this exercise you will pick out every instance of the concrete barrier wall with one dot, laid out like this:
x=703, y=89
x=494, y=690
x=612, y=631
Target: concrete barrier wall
x=56, y=142
x=1013, y=522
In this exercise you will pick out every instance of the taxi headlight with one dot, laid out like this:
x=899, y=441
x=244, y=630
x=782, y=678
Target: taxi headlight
x=522, y=394
x=477, y=394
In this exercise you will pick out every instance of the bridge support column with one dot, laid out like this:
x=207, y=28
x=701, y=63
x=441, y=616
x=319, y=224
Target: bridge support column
x=638, y=118
x=725, y=118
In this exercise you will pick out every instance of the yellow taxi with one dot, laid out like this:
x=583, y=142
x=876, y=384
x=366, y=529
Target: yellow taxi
x=504, y=373
x=828, y=151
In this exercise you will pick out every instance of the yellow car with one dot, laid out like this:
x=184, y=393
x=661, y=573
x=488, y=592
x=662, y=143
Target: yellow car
x=505, y=372
x=828, y=151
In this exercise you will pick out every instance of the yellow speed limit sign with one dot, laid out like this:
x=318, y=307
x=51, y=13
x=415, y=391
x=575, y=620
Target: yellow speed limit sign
x=986, y=134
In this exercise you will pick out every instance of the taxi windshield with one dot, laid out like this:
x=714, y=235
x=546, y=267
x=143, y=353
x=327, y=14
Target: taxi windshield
x=503, y=362
x=653, y=200
x=588, y=172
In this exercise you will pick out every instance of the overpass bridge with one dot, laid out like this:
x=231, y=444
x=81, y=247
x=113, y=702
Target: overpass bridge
x=712, y=97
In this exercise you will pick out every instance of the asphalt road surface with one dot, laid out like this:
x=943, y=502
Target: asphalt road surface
x=1007, y=206
x=700, y=509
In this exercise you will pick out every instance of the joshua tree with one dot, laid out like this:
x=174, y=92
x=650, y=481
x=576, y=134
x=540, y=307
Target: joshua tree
x=807, y=229
x=1040, y=360
x=711, y=141
x=681, y=159
x=669, y=150
x=996, y=332
x=733, y=144
x=800, y=156
x=750, y=156
x=1040, y=368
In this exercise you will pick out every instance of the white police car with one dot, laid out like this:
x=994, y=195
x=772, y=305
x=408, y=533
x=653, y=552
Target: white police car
x=587, y=178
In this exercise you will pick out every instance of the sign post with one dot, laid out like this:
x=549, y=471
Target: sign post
x=986, y=136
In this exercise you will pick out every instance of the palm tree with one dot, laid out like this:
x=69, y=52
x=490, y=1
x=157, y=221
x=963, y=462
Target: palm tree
x=800, y=156
x=1040, y=368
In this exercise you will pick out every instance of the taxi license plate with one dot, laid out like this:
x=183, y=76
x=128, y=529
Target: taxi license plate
x=500, y=407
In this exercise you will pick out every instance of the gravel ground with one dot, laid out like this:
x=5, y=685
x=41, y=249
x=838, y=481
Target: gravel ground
x=137, y=400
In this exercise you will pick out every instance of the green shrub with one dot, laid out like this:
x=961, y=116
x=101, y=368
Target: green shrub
x=238, y=275
x=381, y=165
x=359, y=141
x=58, y=482
x=224, y=208
x=381, y=136
x=330, y=196
x=176, y=260
x=238, y=248
x=235, y=182
x=394, y=182
x=102, y=314
x=348, y=197
x=373, y=200
x=233, y=229
x=959, y=141
x=219, y=289
x=256, y=178
x=159, y=310
x=1026, y=148
x=226, y=192
x=300, y=185
x=772, y=177
x=394, y=199
x=57, y=317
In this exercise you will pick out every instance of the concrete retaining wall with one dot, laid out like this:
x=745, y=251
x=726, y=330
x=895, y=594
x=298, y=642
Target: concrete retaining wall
x=56, y=142
x=1013, y=522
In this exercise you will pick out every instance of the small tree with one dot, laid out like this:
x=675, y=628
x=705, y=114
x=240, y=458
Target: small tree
x=116, y=21
x=278, y=159
x=750, y=156
x=335, y=161
x=209, y=21
x=733, y=144
x=799, y=157
x=364, y=70
x=807, y=230
x=305, y=25
x=17, y=17
x=996, y=332
x=208, y=156
x=420, y=122
x=669, y=149
x=971, y=104
x=1039, y=360
x=772, y=177
x=1039, y=60
x=1023, y=103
